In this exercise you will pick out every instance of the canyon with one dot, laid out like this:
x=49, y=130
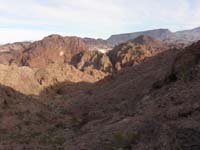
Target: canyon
x=137, y=91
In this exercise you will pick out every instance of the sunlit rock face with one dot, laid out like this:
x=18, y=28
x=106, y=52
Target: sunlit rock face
x=53, y=49
x=135, y=51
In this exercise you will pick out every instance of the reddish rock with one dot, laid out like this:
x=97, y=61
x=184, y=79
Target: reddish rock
x=135, y=51
x=18, y=46
x=53, y=49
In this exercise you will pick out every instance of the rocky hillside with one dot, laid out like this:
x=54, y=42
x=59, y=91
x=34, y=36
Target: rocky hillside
x=124, y=55
x=11, y=57
x=135, y=51
x=92, y=60
x=153, y=105
x=148, y=106
x=12, y=53
x=33, y=81
x=18, y=46
x=185, y=37
x=52, y=49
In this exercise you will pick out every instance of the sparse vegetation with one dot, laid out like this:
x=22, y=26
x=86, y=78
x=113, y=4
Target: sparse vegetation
x=67, y=107
x=124, y=141
x=55, y=141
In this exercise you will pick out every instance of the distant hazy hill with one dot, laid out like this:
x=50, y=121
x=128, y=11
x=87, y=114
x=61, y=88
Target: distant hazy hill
x=166, y=35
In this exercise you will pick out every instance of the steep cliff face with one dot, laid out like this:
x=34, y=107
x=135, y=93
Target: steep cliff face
x=135, y=51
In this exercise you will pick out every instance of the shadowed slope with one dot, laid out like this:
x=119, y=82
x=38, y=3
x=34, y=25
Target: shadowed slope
x=145, y=107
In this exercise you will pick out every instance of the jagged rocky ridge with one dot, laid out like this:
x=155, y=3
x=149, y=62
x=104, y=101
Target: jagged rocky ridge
x=135, y=51
x=51, y=49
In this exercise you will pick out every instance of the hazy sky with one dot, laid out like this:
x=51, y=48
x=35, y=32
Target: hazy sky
x=33, y=19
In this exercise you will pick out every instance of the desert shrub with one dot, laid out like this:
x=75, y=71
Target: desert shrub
x=124, y=141
x=76, y=124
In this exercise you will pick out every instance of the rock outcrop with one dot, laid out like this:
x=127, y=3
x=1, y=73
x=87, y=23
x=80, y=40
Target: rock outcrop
x=92, y=59
x=52, y=49
x=33, y=81
x=18, y=46
x=11, y=57
x=135, y=51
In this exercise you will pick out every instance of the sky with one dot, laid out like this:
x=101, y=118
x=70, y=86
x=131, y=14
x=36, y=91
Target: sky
x=29, y=20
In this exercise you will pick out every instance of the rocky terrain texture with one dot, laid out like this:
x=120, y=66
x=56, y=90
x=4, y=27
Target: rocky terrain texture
x=56, y=49
x=60, y=49
x=185, y=37
x=12, y=53
x=52, y=49
x=86, y=66
x=88, y=60
x=135, y=51
x=18, y=46
x=149, y=106
x=32, y=81
x=11, y=57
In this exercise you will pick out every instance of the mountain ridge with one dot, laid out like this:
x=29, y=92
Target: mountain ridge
x=161, y=34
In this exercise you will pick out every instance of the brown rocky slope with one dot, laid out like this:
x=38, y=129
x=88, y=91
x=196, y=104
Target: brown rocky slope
x=93, y=62
x=52, y=49
x=146, y=107
x=153, y=105
x=135, y=51
x=18, y=46
x=33, y=81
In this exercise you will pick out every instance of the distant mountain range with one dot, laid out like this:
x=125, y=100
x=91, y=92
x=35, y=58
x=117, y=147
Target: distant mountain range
x=62, y=49
x=186, y=36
